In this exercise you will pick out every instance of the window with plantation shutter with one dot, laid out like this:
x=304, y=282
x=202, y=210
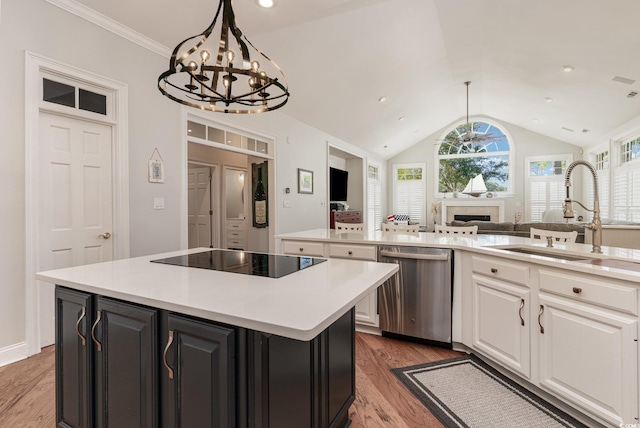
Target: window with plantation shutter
x=626, y=182
x=626, y=195
x=374, y=198
x=601, y=162
x=409, y=184
x=544, y=184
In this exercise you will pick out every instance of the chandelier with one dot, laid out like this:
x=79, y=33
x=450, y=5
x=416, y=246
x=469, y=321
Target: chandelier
x=220, y=83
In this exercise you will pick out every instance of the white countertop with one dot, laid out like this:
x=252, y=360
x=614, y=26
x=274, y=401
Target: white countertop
x=299, y=306
x=483, y=244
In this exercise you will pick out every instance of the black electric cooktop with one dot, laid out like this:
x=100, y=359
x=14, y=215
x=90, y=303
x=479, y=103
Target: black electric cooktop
x=244, y=262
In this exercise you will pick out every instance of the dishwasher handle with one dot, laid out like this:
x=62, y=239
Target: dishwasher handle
x=415, y=256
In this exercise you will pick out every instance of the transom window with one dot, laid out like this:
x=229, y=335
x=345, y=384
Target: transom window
x=464, y=154
x=630, y=150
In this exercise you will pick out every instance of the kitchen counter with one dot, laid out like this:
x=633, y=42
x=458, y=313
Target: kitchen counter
x=487, y=244
x=297, y=306
x=562, y=321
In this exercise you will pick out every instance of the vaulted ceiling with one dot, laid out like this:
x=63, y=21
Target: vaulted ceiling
x=341, y=56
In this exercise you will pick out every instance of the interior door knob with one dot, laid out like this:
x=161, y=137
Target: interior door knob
x=105, y=235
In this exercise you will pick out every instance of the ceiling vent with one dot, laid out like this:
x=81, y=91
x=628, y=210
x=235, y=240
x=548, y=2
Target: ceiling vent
x=567, y=129
x=623, y=80
x=632, y=94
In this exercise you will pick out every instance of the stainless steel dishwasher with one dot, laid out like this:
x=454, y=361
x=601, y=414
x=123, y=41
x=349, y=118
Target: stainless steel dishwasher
x=416, y=302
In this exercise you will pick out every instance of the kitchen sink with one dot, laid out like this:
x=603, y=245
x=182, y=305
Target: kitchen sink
x=556, y=254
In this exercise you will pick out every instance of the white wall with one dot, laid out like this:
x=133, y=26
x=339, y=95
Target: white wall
x=526, y=143
x=154, y=122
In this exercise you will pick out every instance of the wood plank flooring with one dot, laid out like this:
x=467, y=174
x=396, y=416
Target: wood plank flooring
x=27, y=388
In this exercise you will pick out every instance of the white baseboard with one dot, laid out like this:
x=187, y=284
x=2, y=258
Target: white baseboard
x=13, y=353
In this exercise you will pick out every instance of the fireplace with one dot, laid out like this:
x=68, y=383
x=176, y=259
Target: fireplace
x=484, y=209
x=471, y=217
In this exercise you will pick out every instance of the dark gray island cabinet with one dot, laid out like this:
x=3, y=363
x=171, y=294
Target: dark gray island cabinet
x=120, y=364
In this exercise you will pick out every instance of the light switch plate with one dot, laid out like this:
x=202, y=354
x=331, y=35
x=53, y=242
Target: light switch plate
x=287, y=204
x=158, y=203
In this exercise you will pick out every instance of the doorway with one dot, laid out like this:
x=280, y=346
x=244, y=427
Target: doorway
x=76, y=209
x=203, y=198
x=76, y=220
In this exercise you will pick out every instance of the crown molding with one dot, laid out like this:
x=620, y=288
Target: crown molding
x=109, y=24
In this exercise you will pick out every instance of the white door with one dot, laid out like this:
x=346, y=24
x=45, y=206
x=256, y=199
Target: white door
x=202, y=230
x=75, y=202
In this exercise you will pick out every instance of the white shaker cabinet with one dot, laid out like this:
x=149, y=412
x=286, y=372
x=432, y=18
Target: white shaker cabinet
x=588, y=350
x=501, y=308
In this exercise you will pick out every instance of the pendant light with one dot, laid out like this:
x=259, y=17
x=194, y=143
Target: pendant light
x=221, y=76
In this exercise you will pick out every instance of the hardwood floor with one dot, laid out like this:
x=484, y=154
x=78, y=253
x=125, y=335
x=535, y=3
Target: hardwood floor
x=27, y=388
x=381, y=399
x=27, y=392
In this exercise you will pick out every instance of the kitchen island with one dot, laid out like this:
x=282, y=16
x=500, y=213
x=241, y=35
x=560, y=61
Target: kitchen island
x=561, y=321
x=146, y=344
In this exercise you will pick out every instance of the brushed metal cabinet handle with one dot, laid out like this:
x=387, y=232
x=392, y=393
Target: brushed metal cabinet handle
x=80, y=318
x=520, y=311
x=539, y=319
x=93, y=331
x=164, y=354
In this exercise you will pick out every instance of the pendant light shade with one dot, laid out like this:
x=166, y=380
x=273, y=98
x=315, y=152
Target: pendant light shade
x=227, y=75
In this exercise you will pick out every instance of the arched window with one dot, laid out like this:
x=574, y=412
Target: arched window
x=463, y=155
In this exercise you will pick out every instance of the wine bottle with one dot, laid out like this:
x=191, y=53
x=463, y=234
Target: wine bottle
x=260, y=202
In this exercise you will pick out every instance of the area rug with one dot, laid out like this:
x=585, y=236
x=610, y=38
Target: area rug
x=466, y=392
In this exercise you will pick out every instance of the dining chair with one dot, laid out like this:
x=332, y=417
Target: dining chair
x=349, y=227
x=401, y=229
x=456, y=230
x=542, y=234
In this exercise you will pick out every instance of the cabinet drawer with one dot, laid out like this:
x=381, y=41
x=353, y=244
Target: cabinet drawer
x=360, y=252
x=607, y=293
x=235, y=243
x=303, y=248
x=512, y=272
x=235, y=234
x=233, y=225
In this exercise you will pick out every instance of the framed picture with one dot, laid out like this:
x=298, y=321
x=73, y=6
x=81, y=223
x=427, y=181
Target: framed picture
x=305, y=181
x=156, y=171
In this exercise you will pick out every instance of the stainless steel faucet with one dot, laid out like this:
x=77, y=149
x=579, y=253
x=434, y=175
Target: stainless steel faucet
x=596, y=224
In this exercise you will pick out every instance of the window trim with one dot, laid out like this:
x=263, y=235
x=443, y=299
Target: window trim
x=567, y=157
x=512, y=156
x=373, y=225
x=422, y=165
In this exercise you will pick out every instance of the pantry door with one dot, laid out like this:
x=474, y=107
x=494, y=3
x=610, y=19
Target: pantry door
x=75, y=202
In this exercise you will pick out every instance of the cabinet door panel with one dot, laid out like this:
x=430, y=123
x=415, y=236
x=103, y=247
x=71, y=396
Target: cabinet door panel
x=73, y=359
x=589, y=357
x=499, y=311
x=126, y=365
x=202, y=391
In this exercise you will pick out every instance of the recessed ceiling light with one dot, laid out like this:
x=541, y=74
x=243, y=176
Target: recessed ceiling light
x=382, y=99
x=549, y=99
x=535, y=120
x=401, y=118
x=567, y=68
x=188, y=130
x=265, y=3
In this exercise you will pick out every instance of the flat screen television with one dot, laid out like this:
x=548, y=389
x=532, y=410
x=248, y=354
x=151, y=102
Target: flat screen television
x=338, y=184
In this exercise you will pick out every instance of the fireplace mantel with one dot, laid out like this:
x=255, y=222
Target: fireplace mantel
x=471, y=206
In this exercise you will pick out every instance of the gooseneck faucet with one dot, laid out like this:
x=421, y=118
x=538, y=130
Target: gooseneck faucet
x=596, y=224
